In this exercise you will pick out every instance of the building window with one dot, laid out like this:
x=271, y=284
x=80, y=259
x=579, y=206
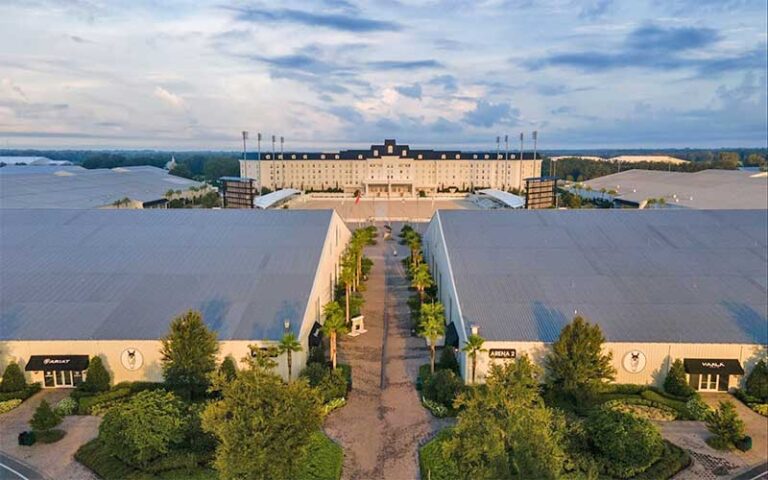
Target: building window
x=293, y=157
x=322, y=157
x=442, y=156
x=375, y=153
x=458, y=156
x=390, y=149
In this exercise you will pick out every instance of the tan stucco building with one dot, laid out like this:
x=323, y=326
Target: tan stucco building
x=75, y=284
x=391, y=170
x=662, y=285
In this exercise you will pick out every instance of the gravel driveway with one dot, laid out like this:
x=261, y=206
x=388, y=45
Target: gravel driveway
x=55, y=460
x=383, y=423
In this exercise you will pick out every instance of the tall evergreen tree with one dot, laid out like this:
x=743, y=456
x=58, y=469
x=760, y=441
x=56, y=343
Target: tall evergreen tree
x=189, y=355
x=96, y=376
x=13, y=379
x=576, y=364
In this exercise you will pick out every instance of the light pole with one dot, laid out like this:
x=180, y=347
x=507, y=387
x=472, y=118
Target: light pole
x=282, y=163
x=272, y=177
x=245, y=137
x=520, y=176
x=506, y=158
x=535, y=140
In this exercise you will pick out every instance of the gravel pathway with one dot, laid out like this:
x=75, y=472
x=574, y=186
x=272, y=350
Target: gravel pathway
x=383, y=423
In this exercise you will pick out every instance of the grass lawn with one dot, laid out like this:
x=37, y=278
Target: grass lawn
x=94, y=456
x=324, y=459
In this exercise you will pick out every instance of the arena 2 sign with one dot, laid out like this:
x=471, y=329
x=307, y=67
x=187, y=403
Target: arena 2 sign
x=502, y=353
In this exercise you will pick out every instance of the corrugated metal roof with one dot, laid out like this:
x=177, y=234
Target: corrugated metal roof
x=124, y=274
x=508, y=199
x=643, y=275
x=707, y=189
x=81, y=188
x=270, y=199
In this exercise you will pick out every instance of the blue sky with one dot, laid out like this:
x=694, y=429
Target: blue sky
x=338, y=73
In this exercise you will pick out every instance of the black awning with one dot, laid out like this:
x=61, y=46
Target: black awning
x=57, y=362
x=316, y=335
x=451, y=336
x=713, y=365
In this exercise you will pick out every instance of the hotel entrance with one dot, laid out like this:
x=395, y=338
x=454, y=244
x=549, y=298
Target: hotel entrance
x=711, y=375
x=59, y=371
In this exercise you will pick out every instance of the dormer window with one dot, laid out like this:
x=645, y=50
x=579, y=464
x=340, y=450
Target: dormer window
x=281, y=156
x=458, y=156
x=474, y=156
x=304, y=156
x=421, y=157
x=442, y=156
x=359, y=157
x=293, y=157
x=390, y=149
x=375, y=153
x=405, y=152
x=268, y=157
x=337, y=157
x=322, y=156
x=487, y=156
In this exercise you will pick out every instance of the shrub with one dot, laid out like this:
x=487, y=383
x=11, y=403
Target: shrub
x=438, y=409
x=22, y=395
x=228, y=368
x=50, y=436
x=332, y=386
x=623, y=388
x=66, y=406
x=744, y=443
x=762, y=409
x=144, y=428
x=675, y=382
x=757, y=381
x=626, y=444
x=442, y=387
x=86, y=404
x=334, y=404
x=448, y=360
x=13, y=379
x=643, y=411
x=432, y=463
x=178, y=460
x=347, y=369
x=323, y=460
x=314, y=373
x=96, y=377
x=673, y=460
x=726, y=426
x=140, y=386
x=317, y=354
x=9, y=405
x=678, y=405
x=95, y=456
x=424, y=373
x=696, y=409
x=44, y=418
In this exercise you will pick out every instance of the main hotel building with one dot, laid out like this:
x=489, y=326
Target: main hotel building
x=391, y=169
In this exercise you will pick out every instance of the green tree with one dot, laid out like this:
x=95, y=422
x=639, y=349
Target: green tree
x=448, y=359
x=675, y=382
x=263, y=426
x=96, y=377
x=143, y=428
x=333, y=325
x=442, y=387
x=44, y=418
x=288, y=344
x=228, y=368
x=421, y=280
x=432, y=327
x=628, y=444
x=473, y=346
x=757, y=381
x=13, y=379
x=726, y=426
x=262, y=358
x=189, y=355
x=576, y=364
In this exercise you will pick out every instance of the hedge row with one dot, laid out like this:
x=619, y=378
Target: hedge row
x=432, y=462
x=673, y=460
x=86, y=404
x=324, y=459
x=22, y=395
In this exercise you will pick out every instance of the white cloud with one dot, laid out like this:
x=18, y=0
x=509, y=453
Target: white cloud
x=169, y=98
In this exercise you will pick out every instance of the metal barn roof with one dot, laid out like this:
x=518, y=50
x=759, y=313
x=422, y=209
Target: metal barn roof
x=707, y=189
x=271, y=199
x=508, y=199
x=72, y=187
x=125, y=274
x=675, y=275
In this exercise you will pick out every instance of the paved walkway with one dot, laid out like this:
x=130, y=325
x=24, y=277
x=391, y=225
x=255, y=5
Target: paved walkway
x=383, y=423
x=709, y=463
x=55, y=460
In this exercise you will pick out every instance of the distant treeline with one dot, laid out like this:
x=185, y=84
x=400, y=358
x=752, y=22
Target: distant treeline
x=692, y=155
x=577, y=169
x=196, y=165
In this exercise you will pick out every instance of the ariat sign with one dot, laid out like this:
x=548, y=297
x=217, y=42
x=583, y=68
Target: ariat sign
x=713, y=364
x=53, y=361
x=502, y=353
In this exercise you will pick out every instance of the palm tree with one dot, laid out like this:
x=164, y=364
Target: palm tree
x=414, y=242
x=169, y=193
x=348, y=279
x=421, y=280
x=288, y=344
x=432, y=326
x=334, y=324
x=474, y=346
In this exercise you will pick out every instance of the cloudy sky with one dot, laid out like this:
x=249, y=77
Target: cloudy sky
x=337, y=73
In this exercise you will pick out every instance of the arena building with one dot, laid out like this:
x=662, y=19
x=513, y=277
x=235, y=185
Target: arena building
x=662, y=285
x=391, y=170
x=77, y=187
x=79, y=283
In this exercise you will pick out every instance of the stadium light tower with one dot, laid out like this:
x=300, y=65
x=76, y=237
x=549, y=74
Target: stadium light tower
x=521, y=163
x=245, y=137
x=282, y=162
x=498, y=142
x=535, y=143
x=258, y=146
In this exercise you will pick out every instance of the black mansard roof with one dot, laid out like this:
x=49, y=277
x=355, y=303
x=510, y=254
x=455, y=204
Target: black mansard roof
x=402, y=151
